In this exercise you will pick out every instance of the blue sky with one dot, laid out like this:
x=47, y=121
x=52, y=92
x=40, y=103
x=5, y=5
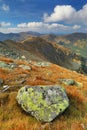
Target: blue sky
x=44, y=16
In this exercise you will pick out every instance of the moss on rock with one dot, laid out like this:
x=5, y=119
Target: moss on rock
x=45, y=103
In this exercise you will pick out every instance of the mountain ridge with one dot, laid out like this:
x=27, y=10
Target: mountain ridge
x=39, y=49
x=23, y=35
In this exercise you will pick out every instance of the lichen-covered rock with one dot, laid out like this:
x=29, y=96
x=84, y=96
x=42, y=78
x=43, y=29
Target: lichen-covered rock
x=71, y=82
x=78, y=84
x=45, y=103
x=67, y=81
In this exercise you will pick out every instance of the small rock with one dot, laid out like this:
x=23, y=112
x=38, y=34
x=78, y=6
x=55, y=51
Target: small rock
x=78, y=84
x=25, y=67
x=67, y=81
x=5, y=88
x=7, y=66
x=30, y=61
x=70, y=82
x=83, y=126
x=1, y=81
x=22, y=81
x=12, y=65
x=43, y=64
x=23, y=57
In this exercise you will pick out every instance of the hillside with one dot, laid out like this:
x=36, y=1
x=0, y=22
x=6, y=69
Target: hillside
x=17, y=36
x=77, y=42
x=54, y=53
x=76, y=36
x=15, y=50
x=15, y=74
x=71, y=37
x=38, y=49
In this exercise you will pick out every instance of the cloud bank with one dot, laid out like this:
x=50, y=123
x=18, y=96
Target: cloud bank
x=4, y=24
x=39, y=27
x=67, y=14
x=46, y=26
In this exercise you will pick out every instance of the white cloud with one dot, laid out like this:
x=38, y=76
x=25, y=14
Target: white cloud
x=47, y=26
x=60, y=13
x=76, y=27
x=33, y=25
x=67, y=13
x=5, y=7
x=40, y=27
x=4, y=24
x=22, y=25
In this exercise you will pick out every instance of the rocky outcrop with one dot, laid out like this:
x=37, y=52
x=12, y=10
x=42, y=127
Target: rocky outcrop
x=45, y=103
x=70, y=82
x=5, y=65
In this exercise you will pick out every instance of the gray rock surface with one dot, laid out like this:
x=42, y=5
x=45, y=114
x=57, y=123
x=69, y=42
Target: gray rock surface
x=1, y=81
x=4, y=65
x=42, y=64
x=67, y=81
x=45, y=103
x=25, y=67
x=71, y=82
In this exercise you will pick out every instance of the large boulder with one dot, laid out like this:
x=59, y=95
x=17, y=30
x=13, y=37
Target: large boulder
x=45, y=103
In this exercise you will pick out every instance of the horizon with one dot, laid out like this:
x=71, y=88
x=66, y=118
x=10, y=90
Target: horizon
x=45, y=17
x=57, y=34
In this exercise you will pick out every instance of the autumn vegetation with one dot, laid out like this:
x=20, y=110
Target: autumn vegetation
x=12, y=117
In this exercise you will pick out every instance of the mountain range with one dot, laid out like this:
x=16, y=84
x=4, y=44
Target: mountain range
x=77, y=42
x=17, y=36
x=56, y=49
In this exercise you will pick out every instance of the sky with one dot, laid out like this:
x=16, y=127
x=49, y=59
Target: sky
x=44, y=16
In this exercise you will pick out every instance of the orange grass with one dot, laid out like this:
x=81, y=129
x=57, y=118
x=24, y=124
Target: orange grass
x=12, y=117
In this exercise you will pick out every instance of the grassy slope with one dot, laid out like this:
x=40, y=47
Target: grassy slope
x=79, y=47
x=36, y=48
x=49, y=51
x=12, y=117
x=77, y=42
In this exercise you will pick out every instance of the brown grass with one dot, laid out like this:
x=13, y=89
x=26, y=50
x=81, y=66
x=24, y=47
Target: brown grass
x=12, y=117
x=7, y=60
